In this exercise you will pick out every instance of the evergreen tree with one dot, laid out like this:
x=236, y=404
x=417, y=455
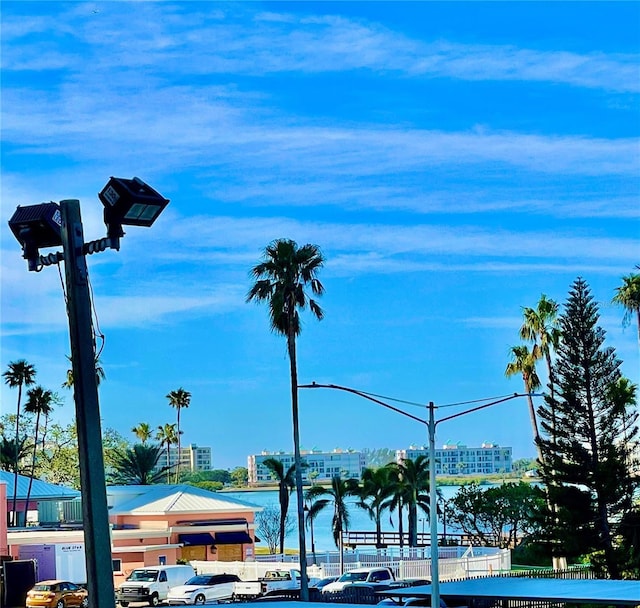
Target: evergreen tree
x=587, y=453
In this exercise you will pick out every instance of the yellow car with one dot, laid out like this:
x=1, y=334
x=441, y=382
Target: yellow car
x=57, y=594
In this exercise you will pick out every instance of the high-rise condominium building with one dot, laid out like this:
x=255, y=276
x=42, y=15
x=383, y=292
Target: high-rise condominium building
x=192, y=458
x=458, y=459
x=321, y=466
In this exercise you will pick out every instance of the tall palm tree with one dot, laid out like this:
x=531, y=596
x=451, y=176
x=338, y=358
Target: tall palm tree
x=376, y=492
x=167, y=435
x=179, y=399
x=320, y=498
x=39, y=402
x=100, y=375
x=524, y=363
x=143, y=432
x=415, y=477
x=19, y=373
x=137, y=465
x=628, y=296
x=280, y=281
x=286, y=483
x=542, y=327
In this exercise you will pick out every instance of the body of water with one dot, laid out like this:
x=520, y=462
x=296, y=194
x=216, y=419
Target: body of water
x=359, y=519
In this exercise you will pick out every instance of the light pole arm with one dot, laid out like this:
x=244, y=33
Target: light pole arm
x=363, y=395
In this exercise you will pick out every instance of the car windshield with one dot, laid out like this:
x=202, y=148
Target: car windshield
x=143, y=575
x=42, y=587
x=353, y=576
x=200, y=580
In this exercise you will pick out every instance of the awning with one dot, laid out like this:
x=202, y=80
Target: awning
x=202, y=538
x=232, y=538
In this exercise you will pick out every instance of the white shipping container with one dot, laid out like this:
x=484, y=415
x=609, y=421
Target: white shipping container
x=70, y=563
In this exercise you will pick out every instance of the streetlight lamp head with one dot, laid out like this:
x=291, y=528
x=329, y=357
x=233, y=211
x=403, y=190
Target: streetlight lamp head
x=36, y=227
x=130, y=202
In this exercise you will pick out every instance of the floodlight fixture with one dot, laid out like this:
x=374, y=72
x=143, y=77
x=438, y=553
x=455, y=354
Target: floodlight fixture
x=129, y=202
x=36, y=227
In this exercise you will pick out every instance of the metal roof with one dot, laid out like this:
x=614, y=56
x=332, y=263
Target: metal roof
x=40, y=490
x=166, y=499
x=520, y=588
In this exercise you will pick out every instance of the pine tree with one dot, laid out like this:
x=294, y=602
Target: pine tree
x=587, y=469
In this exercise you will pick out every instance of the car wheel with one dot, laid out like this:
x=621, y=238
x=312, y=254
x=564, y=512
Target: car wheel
x=84, y=603
x=124, y=604
x=200, y=600
x=155, y=600
x=60, y=604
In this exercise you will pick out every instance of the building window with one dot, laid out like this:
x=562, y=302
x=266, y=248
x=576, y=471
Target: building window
x=116, y=564
x=162, y=560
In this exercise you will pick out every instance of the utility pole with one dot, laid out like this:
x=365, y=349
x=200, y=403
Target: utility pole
x=97, y=538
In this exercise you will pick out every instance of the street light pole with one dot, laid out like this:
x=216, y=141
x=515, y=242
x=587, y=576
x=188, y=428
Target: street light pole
x=431, y=423
x=433, y=517
x=95, y=515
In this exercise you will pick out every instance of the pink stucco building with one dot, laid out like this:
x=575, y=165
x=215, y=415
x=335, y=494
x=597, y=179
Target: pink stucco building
x=153, y=525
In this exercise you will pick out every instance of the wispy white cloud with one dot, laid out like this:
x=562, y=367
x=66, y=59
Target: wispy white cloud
x=232, y=39
x=229, y=246
x=416, y=240
x=186, y=126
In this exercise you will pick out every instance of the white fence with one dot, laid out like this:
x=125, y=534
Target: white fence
x=473, y=561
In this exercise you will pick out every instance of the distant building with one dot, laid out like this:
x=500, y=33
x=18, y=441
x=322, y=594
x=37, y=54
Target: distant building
x=321, y=466
x=458, y=459
x=192, y=458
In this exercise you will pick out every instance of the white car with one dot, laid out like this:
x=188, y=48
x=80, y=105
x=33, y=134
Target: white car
x=203, y=588
x=374, y=577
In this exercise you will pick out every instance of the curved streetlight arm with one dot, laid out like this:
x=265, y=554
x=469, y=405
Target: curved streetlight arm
x=361, y=394
x=481, y=407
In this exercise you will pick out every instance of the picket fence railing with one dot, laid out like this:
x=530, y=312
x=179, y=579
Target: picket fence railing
x=472, y=562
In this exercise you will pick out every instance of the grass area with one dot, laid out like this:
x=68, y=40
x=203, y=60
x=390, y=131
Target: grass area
x=265, y=551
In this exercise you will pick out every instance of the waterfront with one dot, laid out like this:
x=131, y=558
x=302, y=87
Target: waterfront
x=359, y=520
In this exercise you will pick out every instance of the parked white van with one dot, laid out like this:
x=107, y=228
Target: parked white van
x=152, y=583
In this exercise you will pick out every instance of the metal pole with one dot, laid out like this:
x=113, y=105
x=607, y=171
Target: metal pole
x=97, y=539
x=433, y=508
x=313, y=544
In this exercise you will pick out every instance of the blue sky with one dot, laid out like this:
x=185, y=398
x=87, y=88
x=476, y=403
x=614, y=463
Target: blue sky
x=453, y=161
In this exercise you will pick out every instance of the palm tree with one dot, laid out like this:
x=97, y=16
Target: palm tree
x=397, y=501
x=167, y=435
x=286, y=483
x=542, y=327
x=415, y=477
x=8, y=449
x=179, y=399
x=19, y=373
x=524, y=363
x=143, y=432
x=100, y=375
x=39, y=401
x=137, y=465
x=280, y=281
x=320, y=498
x=376, y=493
x=628, y=296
